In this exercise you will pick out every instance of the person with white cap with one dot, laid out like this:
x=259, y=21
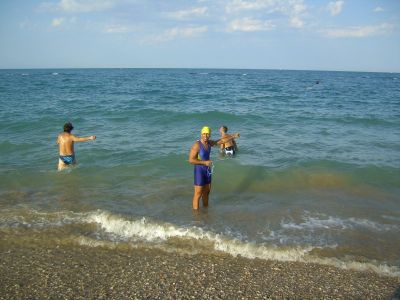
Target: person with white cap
x=199, y=156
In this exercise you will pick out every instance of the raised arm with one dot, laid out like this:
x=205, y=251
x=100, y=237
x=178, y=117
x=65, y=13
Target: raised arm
x=225, y=139
x=193, y=156
x=83, y=139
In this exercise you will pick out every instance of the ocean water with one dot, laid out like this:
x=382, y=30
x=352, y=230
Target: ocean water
x=316, y=179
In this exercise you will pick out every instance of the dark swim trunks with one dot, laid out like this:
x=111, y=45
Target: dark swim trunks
x=67, y=159
x=230, y=150
x=202, y=174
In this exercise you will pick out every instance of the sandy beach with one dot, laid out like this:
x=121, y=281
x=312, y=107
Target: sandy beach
x=81, y=272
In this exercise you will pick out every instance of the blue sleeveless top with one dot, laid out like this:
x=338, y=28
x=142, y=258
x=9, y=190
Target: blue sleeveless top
x=203, y=153
x=202, y=175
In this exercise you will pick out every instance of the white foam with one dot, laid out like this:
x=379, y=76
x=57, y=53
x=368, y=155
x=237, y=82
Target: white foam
x=391, y=218
x=151, y=231
x=376, y=267
x=148, y=233
x=253, y=250
x=36, y=219
x=323, y=222
x=299, y=254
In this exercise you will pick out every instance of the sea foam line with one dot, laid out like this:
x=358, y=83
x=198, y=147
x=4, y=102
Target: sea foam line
x=152, y=232
x=324, y=222
x=157, y=235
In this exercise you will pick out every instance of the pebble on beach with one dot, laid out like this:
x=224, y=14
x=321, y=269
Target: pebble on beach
x=79, y=272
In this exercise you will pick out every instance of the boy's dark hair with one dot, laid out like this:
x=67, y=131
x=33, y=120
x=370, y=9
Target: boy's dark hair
x=224, y=128
x=68, y=127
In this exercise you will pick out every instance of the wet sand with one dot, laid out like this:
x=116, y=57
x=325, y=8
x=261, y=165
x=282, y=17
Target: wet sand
x=81, y=272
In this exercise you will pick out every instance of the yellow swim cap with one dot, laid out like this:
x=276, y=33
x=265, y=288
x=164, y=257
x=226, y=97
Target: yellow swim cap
x=206, y=129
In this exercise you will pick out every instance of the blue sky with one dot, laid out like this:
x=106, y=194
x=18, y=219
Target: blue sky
x=351, y=35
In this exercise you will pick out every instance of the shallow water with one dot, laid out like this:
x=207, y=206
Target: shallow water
x=316, y=177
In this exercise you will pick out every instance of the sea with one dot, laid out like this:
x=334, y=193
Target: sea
x=316, y=178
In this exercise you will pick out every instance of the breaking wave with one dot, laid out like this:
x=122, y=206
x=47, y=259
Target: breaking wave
x=110, y=230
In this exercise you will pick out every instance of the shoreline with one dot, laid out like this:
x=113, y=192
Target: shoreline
x=82, y=272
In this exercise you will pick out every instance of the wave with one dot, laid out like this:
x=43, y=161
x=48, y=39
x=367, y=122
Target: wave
x=358, y=120
x=322, y=221
x=111, y=230
x=150, y=231
x=175, y=116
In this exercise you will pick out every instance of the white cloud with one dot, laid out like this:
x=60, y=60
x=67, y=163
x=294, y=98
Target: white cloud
x=56, y=22
x=240, y=5
x=298, y=7
x=188, y=32
x=187, y=14
x=79, y=6
x=173, y=33
x=335, y=7
x=378, y=9
x=116, y=29
x=296, y=22
x=295, y=10
x=250, y=25
x=358, y=32
x=267, y=6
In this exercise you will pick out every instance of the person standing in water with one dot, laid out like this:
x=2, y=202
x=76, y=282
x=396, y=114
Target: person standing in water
x=199, y=156
x=65, y=141
x=229, y=147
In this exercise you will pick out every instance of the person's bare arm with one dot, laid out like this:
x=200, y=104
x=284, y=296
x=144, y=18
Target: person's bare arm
x=225, y=139
x=83, y=139
x=194, y=152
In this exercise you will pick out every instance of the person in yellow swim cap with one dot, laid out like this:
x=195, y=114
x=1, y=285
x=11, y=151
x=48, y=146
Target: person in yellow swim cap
x=199, y=156
x=206, y=129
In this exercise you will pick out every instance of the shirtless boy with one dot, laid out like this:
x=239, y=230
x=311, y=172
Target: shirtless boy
x=65, y=143
x=228, y=146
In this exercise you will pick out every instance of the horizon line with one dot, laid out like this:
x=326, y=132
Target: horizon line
x=200, y=68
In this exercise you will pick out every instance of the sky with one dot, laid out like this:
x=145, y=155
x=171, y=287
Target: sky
x=344, y=35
